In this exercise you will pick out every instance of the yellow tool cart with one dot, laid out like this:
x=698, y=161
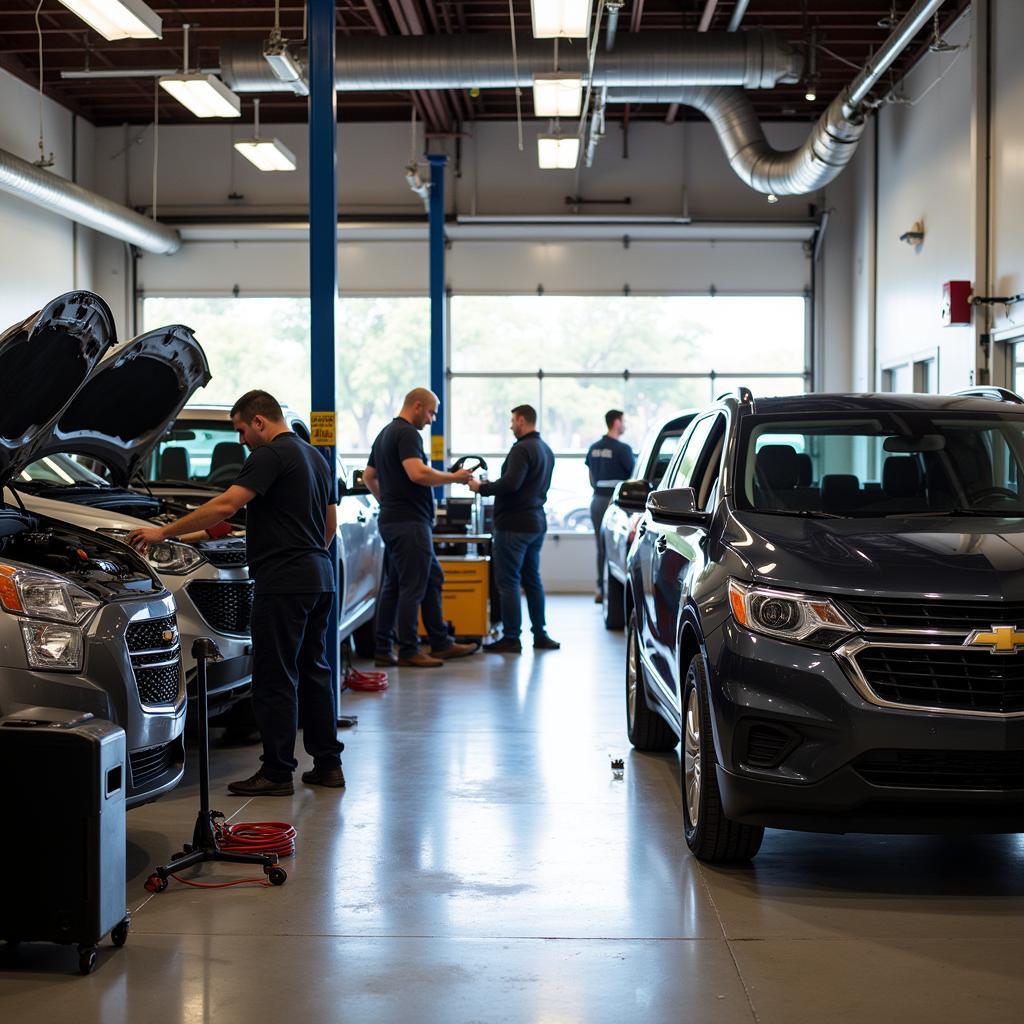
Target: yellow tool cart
x=466, y=598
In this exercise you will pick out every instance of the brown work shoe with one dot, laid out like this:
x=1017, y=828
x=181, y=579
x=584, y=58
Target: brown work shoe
x=385, y=661
x=456, y=651
x=333, y=778
x=419, y=661
x=260, y=785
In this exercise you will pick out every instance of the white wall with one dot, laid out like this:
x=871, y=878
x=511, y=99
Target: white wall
x=41, y=254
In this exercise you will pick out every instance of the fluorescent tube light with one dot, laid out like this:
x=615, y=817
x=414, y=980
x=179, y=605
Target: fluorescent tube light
x=563, y=19
x=204, y=95
x=118, y=19
x=558, y=152
x=557, y=95
x=267, y=154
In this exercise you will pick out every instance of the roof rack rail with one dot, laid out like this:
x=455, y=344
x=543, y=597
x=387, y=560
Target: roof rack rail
x=993, y=393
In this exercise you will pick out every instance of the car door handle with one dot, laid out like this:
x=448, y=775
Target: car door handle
x=361, y=517
x=661, y=544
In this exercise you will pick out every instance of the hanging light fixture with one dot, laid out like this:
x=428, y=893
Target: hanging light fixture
x=204, y=95
x=285, y=65
x=561, y=19
x=556, y=94
x=558, y=152
x=266, y=154
x=118, y=19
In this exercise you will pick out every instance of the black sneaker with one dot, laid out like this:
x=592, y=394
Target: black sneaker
x=506, y=645
x=260, y=785
x=333, y=778
x=385, y=659
x=545, y=643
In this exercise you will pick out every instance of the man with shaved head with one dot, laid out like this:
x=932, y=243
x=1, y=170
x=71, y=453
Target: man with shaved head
x=401, y=478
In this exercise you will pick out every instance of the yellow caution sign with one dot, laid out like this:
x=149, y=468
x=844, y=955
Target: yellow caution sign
x=323, y=429
x=437, y=448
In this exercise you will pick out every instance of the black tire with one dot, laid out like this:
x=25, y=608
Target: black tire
x=277, y=876
x=712, y=837
x=646, y=729
x=119, y=935
x=364, y=639
x=613, y=604
x=86, y=959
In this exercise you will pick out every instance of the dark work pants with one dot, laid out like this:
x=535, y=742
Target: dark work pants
x=413, y=580
x=291, y=682
x=517, y=566
x=598, y=506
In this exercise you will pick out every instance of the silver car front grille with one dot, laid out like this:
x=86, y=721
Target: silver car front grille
x=155, y=654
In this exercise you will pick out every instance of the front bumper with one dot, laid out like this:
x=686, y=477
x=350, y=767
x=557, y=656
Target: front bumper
x=821, y=782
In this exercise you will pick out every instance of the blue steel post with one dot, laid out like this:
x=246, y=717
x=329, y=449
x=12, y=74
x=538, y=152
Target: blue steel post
x=323, y=256
x=438, y=306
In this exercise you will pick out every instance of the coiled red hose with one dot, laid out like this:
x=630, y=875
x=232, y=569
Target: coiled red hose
x=250, y=837
x=365, y=682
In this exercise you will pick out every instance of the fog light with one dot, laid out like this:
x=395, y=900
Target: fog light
x=48, y=645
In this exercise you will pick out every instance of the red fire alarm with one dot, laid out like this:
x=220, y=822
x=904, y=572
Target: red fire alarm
x=956, y=303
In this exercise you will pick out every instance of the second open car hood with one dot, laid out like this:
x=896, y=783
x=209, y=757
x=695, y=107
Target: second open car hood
x=129, y=401
x=44, y=360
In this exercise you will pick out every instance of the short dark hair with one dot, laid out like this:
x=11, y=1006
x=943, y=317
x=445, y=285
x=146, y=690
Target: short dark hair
x=612, y=415
x=257, y=403
x=527, y=412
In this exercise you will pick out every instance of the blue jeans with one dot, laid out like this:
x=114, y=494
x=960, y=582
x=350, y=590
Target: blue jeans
x=517, y=564
x=413, y=578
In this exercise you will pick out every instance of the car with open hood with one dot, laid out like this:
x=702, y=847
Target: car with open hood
x=114, y=422
x=85, y=623
x=201, y=455
x=826, y=604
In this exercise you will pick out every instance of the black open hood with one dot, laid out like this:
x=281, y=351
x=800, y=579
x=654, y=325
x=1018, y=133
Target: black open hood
x=129, y=401
x=44, y=360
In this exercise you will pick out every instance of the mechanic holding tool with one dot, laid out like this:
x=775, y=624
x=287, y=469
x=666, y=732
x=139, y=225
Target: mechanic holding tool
x=609, y=460
x=400, y=478
x=287, y=487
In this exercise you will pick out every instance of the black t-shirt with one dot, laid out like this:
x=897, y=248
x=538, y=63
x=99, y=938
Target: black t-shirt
x=401, y=501
x=286, y=522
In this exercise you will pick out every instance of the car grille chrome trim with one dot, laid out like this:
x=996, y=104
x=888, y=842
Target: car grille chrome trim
x=847, y=654
x=157, y=669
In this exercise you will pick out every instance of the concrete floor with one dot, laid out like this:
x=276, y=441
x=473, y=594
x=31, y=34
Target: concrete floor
x=485, y=865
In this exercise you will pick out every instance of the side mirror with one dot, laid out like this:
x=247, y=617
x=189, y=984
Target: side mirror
x=631, y=495
x=355, y=489
x=678, y=506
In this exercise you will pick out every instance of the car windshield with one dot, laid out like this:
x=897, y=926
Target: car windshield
x=60, y=471
x=198, y=451
x=883, y=464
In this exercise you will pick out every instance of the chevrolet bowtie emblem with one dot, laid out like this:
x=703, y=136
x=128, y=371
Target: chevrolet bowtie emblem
x=999, y=639
x=170, y=635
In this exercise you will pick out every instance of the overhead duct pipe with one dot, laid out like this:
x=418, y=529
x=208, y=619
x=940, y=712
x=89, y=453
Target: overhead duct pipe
x=50, y=191
x=753, y=60
x=831, y=143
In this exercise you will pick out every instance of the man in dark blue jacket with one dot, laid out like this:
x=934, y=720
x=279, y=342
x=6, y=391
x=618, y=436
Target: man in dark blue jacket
x=519, y=528
x=608, y=460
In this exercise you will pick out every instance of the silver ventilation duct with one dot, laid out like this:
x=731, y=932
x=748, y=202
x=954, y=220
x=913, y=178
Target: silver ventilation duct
x=31, y=183
x=831, y=143
x=753, y=60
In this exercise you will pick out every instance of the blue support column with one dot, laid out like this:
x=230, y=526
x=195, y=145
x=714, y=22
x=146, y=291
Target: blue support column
x=438, y=310
x=323, y=256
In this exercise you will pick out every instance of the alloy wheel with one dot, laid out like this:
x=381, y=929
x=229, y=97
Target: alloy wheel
x=691, y=757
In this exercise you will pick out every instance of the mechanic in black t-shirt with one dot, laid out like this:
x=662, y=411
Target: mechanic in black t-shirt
x=400, y=477
x=291, y=519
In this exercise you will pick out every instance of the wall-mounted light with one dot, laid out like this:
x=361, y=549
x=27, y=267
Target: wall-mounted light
x=204, y=95
x=561, y=19
x=118, y=19
x=558, y=152
x=266, y=154
x=557, y=95
x=915, y=236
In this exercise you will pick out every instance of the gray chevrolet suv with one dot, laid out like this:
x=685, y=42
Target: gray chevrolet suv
x=85, y=624
x=826, y=604
x=115, y=421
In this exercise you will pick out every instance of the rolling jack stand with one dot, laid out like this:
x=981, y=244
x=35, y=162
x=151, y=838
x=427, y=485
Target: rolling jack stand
x=204, y=845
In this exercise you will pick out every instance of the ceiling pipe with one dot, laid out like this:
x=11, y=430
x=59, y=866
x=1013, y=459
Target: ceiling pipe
x=56, y=194
x=753, y=60
x=705, y=24
x=737, y=14
x=831, y=143
x=612, y=25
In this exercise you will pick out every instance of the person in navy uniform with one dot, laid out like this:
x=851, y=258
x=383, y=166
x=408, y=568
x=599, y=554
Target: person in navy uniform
x=609, y=460
x=287, y=488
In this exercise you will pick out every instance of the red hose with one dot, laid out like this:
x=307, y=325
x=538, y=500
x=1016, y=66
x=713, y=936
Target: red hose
x=249, y=837
x=365, y=682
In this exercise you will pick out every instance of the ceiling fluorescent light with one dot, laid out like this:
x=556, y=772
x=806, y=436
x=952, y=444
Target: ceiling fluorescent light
x=267, y=154
x=558, y=152
x=561, y=19
x=284, y=65
x=118, y=19
x=557, y=95
x=204, y=95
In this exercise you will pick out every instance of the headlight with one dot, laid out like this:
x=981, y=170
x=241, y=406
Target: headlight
x=48, y=645
x=788, y=615
x=168, y=556
x=43, y=595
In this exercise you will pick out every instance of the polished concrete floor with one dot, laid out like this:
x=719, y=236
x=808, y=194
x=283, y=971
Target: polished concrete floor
x=485, y=864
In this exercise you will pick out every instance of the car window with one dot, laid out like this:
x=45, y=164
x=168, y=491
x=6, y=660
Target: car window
x=681, y=470
x=705, y=475
x=61, y=470
x=186, y=451
x=666, y=447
